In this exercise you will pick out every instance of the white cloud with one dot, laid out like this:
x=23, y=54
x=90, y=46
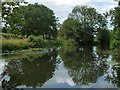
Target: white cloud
x=60, y=77
x=71, y=2
x=102, y=0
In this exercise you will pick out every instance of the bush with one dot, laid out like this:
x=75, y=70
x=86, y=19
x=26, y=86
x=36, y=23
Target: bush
x=36, y=41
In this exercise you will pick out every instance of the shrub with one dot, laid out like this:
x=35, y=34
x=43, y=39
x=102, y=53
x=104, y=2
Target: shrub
x=36, y=41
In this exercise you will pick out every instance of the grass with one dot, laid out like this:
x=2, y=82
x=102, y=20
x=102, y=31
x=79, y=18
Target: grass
x=11, y=42
x=11, y=36
x=14, y=44
x=10, y=45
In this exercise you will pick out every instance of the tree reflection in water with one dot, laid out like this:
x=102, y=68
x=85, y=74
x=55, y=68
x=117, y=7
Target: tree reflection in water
x=114, y=76
x=83, y=65
x=32, y=71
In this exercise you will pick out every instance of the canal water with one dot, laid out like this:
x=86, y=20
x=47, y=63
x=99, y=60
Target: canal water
x=67, y=67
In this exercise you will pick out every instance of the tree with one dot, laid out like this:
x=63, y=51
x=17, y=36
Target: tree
x=40, y=20
x=90, y=21
x=30, y=19
x=7, y=8
x=115, y=18
x=69, y=29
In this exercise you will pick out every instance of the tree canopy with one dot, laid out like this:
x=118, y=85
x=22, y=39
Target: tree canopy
x=29, y=19
x=88, y=22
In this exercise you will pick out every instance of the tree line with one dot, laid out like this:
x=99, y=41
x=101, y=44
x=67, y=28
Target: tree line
x=84, y=24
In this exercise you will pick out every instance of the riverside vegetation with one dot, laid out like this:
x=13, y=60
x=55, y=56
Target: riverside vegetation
x=37, y=51
x=35, y=26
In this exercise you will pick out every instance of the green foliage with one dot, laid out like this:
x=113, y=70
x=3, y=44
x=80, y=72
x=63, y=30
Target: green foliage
x=89, y=18
x=70, y=42
x=7, y=9
x=115, y=40
x=117, y=16
x=52, y=43
x=103, y=37
x=36, y=41
x=82, y=25
x=29, y=19
x=40, y=20
x=69, y=29
x=14, y=44
x=11, y=36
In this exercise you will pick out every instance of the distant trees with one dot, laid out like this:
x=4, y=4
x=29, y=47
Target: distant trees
x=83, y=24
x=29, y=19
x=88, y=22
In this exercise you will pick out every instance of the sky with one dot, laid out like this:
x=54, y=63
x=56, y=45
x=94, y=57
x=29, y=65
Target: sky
x=62, y=8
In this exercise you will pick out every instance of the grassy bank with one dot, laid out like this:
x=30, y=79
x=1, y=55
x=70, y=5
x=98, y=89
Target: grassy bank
x=14, y=44
x=11, y=36
x=9, y=45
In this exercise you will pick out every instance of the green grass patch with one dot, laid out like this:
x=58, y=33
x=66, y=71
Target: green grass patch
x=11, y=36
x=33, y=42
x=14, y=44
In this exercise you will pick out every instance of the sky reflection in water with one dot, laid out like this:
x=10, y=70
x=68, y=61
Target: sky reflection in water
x=65, y=68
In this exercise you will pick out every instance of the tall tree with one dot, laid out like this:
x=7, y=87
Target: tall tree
x=29, y=19
x=40, y=20
x=90, y=21
x=88, y=16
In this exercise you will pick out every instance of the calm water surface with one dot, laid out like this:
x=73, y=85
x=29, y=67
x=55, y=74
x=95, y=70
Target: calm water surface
x=72, y=67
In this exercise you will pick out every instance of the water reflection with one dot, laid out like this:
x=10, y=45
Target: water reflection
x=113, y=73
x=115, y=69
x=32, y=71
x=82, y=64
x=70, y=67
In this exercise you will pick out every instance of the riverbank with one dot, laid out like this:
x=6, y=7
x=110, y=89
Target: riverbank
x=15, y=44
